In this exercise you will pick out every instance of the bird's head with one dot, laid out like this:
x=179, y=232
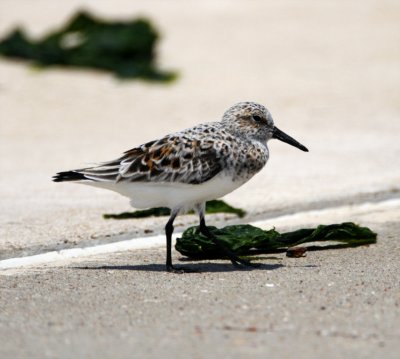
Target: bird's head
x=252, y=120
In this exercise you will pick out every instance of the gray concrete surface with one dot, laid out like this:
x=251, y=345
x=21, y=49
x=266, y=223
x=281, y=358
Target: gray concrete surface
x=329, y=73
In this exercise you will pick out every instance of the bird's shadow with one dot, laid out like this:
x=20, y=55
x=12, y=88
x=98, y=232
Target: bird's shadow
x=191, y=268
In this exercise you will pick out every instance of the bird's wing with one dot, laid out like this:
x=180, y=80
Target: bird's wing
x=174, y=158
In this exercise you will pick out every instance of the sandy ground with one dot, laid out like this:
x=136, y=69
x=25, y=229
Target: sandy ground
x=328, y=72
x=331, y=304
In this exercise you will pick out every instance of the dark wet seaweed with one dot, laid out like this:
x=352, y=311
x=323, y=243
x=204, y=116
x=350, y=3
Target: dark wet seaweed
x=247, y=240
x=214, y=206
x=125, y=48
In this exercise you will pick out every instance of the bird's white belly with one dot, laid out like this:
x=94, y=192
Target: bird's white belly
x=172, y=195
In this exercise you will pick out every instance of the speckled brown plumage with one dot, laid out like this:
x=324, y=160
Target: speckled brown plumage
x=195, y=155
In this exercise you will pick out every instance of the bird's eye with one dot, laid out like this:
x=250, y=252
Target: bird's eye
x=257, y=118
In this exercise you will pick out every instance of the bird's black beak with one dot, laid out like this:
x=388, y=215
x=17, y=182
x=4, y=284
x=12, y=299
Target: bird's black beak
x=278, y=134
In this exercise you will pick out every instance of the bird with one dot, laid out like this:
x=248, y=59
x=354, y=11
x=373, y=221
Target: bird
x=184, y=169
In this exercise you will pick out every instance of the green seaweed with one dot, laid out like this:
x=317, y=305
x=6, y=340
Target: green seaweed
x=214, y=206
x=126, y=49
x=219, y=206
x=248, y=240
x=151, y=212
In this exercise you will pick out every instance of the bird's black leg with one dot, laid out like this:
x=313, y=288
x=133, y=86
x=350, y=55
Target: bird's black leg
x=236, y=260
x=169, y=229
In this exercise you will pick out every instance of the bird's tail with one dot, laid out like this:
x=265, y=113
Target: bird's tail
x=104, y=172
x=69, y=176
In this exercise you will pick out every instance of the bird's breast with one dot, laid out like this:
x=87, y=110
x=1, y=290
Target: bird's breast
x=247, y=161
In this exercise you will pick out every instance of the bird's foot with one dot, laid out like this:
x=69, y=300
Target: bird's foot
x=237, y=262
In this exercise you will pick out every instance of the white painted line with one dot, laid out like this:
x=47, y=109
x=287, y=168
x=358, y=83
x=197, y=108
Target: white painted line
x=159, y=240
x=130, y=244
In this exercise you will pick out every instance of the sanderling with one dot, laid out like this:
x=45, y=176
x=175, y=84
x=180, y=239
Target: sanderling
x=185, y=169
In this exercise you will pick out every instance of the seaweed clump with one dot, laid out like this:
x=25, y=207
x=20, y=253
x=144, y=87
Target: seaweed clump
x=249, y=240
x=214, y=206
x=127, y=49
